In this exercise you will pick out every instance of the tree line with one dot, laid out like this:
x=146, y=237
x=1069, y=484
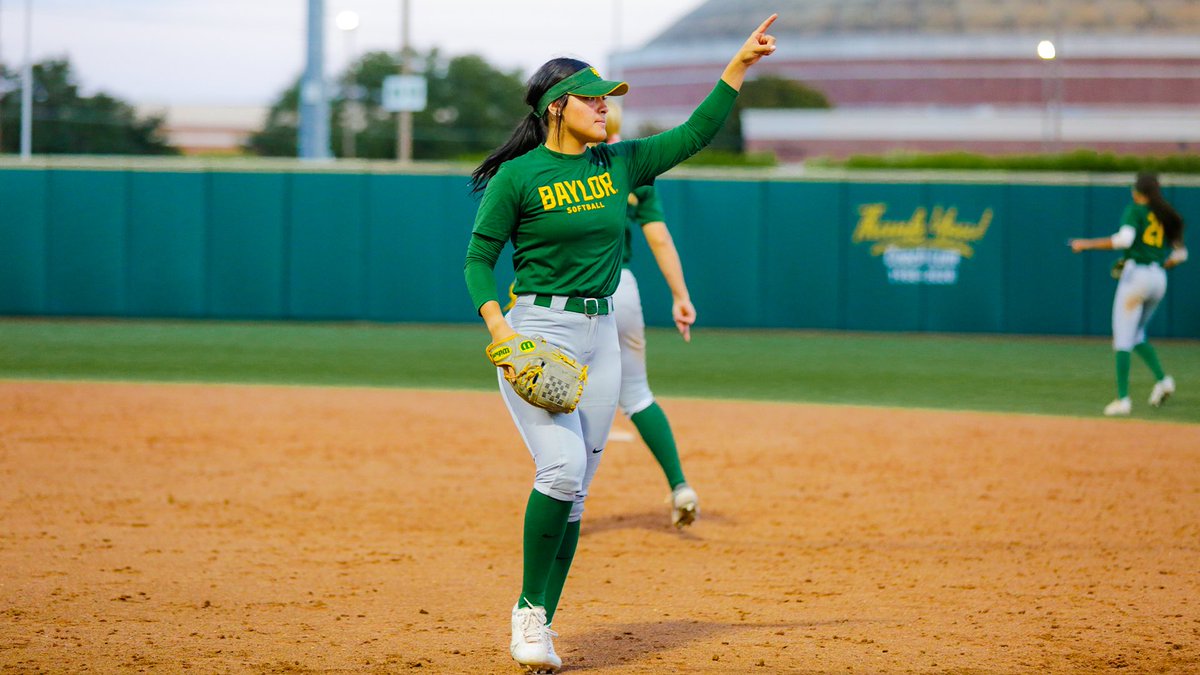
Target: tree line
x=67, y=122
x=472, y=107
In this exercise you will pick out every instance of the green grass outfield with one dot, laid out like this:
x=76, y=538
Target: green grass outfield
x=1044, y=375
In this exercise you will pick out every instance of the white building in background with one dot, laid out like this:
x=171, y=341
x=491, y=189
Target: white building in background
x=939, y=75
x=796, y=134
x=208, y=130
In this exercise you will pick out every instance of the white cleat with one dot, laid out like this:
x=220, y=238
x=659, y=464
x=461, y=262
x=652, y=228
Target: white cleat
x=531, y=646
x=1121, y=406
x=685, y=506
x=1162, y=391
x=553, y=655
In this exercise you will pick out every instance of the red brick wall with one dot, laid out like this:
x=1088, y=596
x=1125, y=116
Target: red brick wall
x=794, y=151
x=1094, y=82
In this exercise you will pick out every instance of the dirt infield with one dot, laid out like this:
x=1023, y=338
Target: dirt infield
x=215, y=529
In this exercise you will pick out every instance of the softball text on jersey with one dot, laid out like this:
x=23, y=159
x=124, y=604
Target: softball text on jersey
x=926, y=248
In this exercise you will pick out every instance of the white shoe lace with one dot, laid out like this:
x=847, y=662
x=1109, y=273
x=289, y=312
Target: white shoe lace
x=532, y=628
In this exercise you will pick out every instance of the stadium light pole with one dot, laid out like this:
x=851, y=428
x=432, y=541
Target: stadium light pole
x=618, y=20
x=1, y=63
x=1047, y=52
x=404, y=120
x=27, y=87
x=314, y=100
x=347, y=21
x=1059, y=95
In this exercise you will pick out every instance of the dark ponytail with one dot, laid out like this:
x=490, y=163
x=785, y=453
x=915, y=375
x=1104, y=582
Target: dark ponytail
x=532, y=130
x=1147, y=185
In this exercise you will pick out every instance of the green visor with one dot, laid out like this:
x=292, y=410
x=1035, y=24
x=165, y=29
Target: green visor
x=585, y=82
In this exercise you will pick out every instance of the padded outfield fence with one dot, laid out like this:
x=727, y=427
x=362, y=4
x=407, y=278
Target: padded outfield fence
x=922, y=251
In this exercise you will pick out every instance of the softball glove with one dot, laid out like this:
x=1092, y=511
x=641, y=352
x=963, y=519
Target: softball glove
x=539, y=372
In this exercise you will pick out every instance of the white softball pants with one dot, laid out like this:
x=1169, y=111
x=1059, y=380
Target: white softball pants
x=566, y=449
x=631, y=330
x=1139, y=292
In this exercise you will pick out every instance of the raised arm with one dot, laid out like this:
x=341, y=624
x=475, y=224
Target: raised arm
x=658, y=153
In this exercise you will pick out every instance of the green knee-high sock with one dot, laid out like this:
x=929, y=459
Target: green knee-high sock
x=652, y=424
x=558, y=571
x=1150, y=356
x=545, y=522
x=1122, y=374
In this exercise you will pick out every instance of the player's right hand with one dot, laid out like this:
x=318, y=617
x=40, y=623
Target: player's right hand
x=684, y=314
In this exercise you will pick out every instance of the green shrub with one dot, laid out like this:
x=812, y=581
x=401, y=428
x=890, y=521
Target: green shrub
x=1077, y=160
x=711, y=157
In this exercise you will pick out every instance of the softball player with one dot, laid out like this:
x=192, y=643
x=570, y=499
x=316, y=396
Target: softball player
x=562, y=205
x=1151, y=235
x=636, y=399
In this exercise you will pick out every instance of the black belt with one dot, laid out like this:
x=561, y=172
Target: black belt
x=587, y=306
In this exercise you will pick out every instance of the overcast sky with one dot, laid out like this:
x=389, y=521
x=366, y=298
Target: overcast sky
x=218, y=52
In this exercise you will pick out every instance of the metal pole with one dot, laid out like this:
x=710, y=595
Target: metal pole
x=27, y=87
x=1056, y=119
x=314, y=103
x=1048, y=53
x=350, y=105
x=617, y=27
x=616, y=38
x=1047, y=113
x=1, y=63
x=1059, y=94
x=404, y=120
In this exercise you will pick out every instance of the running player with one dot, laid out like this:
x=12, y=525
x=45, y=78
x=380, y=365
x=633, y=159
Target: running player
x=1151, y=235
x=562, y=205
x=636, y=399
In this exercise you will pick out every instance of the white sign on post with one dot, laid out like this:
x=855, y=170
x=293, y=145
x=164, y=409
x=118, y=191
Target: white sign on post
x=403, y=93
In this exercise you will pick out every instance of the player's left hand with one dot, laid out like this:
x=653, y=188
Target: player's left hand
x=684, y=314
x=539, y=372
x=759, y=44
x=1077, y=245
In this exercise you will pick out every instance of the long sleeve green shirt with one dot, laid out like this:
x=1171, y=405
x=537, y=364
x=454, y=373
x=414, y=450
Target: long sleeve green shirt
x=566, y=214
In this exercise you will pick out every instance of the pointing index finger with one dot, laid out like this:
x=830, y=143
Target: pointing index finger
x=766, y=24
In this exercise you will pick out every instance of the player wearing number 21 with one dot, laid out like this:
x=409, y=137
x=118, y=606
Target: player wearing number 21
x=1151, y=236
x=558, y=194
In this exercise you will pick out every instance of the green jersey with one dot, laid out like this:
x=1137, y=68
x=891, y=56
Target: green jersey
x=566, y=214
x=644, y=207
x=1149, y=241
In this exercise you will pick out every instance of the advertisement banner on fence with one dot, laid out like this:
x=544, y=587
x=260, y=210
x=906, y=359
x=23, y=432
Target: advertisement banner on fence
x=927, y=247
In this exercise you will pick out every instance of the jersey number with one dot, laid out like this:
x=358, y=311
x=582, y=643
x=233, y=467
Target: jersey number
x=1154, y=232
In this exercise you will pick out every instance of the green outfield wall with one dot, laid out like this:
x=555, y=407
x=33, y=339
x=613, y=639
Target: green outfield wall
x=874, y=252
